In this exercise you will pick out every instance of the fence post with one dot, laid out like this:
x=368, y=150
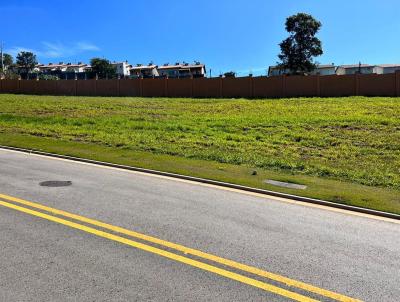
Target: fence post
x=283, y=77
x=251, y=86
x=318, y=85
x=221, y=87
x=141, y=86
x=166, y=92
x=357, y=84
x=95, y=86
x=192, y=86
x=397, y=80
x=118, y=83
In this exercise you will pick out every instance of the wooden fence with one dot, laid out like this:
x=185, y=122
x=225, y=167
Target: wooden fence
x=246, y=87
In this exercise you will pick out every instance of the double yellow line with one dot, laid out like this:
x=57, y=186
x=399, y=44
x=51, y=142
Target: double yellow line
x=12, y=203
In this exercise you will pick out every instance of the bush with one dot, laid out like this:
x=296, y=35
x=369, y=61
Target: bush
x=47, y=77
x=9, y=75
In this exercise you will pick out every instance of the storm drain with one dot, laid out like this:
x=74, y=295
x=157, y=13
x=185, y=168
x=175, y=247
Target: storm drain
x=285, y=184
x=56, y=183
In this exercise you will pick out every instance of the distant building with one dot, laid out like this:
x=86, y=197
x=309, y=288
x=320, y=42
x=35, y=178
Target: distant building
x=122, y=68
x=196, y=70
x=329, y=69
x=53, y=68
x=276, y=71
x=358, y=69
x=389, y=68
x=145, y=71
x=183, y=70
x=342, y=69
x=77, y=68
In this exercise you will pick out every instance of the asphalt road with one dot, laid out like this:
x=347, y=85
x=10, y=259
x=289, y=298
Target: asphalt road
x=49, y=258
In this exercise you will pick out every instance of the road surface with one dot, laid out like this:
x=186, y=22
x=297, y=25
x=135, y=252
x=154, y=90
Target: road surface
x=174, y=240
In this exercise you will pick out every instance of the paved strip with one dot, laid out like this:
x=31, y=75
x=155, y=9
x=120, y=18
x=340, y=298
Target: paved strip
x=164, y=175
x=186, y=250
x=166, y=254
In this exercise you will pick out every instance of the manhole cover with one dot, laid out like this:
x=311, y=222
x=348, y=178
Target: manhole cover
x=285, y=184
x=56, y=183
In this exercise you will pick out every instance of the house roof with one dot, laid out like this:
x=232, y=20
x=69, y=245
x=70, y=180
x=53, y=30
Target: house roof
x=356, y=66
x=326, y=66
x=77, y=65
x=170, y=66
x=322, y=66
x=388, y=65
x=180, y=66
x=143, y=67
x=60, y=65
x=194, y=66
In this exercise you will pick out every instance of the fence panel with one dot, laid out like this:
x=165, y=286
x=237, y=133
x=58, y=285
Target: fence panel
x=10, y=86
x=129, y=87
x=107, y=87
x=237, y=87
x=268, y=87
x=336, y=86
x=397, y=76
x=154, y=87
x=46, y=87
x=180, y=88
x=66, y=87
x=86, y=87
x=377, y=85
x=28, y=86
x=298, y=86
x=207, y=88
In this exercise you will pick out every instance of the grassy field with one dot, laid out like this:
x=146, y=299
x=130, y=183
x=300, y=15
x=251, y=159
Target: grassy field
x=345, y=149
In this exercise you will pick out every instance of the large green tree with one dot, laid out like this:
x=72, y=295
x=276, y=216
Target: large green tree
x=7, y=60
x=103, y=68
x=26, y=61
x=300, y=48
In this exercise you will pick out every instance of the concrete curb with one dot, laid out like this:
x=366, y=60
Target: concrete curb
x=213, y=182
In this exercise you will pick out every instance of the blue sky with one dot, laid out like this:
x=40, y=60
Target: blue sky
x=238, y=35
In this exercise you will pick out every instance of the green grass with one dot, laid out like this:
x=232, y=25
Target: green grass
x=345, y=149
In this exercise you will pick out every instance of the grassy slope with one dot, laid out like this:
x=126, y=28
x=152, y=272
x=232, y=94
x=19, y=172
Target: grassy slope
x=343, y=148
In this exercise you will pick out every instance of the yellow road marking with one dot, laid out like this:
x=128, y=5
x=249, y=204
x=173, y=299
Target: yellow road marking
x=186, y=250
x=160, y=252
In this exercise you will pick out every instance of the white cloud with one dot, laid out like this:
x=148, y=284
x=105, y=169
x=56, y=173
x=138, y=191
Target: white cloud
x=83, y=46
x=51, y=50
x=17, y=49
x=54, y=50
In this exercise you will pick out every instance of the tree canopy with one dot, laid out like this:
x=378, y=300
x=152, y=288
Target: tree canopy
x=26, y=61
x=300, y=48
x=7, y=59
x=103, y=68
x=230, y=74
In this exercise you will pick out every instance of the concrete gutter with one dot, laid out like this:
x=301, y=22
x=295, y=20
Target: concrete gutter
x=213, y=182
